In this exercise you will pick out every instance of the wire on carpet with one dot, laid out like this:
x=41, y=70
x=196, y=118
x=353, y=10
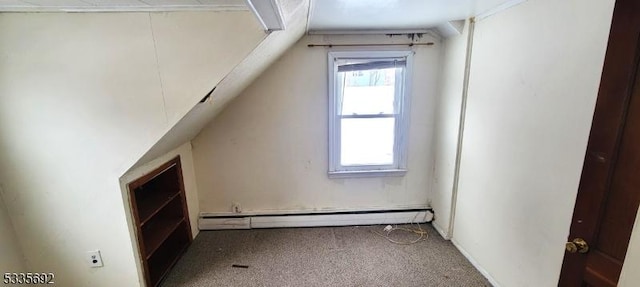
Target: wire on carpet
x=422, y=234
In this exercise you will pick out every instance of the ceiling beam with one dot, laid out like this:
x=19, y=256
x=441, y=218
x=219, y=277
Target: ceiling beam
x=269, y=14
x=451, y=28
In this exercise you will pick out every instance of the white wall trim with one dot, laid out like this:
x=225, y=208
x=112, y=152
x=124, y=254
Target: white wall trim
x=98, y=9
x=402, y=105
x=224, y=223
x=475, y=264
x=499, y=8
x=463, y=112
x=316, y=210
x=440, y=230
x=367, y=173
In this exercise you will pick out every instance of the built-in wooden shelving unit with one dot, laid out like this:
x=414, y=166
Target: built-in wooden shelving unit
x=160, y=212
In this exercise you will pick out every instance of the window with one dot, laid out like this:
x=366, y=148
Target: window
x=368, y=113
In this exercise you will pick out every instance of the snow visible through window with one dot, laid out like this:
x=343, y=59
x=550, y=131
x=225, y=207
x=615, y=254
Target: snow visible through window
x=368, y=117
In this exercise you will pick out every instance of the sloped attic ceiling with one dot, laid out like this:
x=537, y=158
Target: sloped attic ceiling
x=377, y=15
x=269, y=50
x=333, y=16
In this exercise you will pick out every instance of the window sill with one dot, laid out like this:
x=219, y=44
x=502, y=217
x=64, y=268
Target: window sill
x=367, y=173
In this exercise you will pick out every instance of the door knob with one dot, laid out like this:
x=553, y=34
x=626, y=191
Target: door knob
x=577, y=245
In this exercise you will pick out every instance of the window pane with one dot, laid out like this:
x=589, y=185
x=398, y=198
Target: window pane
x=369, y=92
x=367, y=141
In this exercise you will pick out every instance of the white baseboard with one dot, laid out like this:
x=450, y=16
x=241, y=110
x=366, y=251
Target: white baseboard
x=265, y=212
x=312, y=220
x=338, y=219
x=224, y=223
x=476, y=264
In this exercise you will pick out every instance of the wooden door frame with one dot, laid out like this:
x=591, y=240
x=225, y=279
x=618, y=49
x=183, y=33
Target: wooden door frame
x=616, y=86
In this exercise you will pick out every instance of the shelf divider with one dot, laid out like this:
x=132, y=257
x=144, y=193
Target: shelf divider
x=157, y=209
x=162, y=235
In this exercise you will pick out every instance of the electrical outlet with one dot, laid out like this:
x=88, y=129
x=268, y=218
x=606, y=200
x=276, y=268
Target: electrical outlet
x=94, y=259
x=236, y=208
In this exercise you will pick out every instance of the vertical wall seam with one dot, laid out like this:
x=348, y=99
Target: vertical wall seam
x=155, y=51
x=3, y=204
x=463, y=111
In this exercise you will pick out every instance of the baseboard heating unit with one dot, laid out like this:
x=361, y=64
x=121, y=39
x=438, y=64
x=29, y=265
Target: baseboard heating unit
x=249, y=221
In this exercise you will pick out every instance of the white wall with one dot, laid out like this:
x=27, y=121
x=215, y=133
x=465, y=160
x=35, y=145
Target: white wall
x=197, y=50
x=268, y=51
x=11, y=257
x=82, y=97
x=535, y=73
x=630, y=275
x=447, y=127
x=267, y=150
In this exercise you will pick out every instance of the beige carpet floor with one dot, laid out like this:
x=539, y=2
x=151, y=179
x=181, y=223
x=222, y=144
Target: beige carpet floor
x=328, y=256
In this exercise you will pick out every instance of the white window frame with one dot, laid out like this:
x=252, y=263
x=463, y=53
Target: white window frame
x=403, y=90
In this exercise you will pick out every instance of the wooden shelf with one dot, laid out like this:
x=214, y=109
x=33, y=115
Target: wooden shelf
x=160, y=234
x=168, y=254
x=161, y=217
x=154, y=205
x=165, y=269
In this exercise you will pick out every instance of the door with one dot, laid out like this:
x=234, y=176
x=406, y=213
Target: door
x=609, y=191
